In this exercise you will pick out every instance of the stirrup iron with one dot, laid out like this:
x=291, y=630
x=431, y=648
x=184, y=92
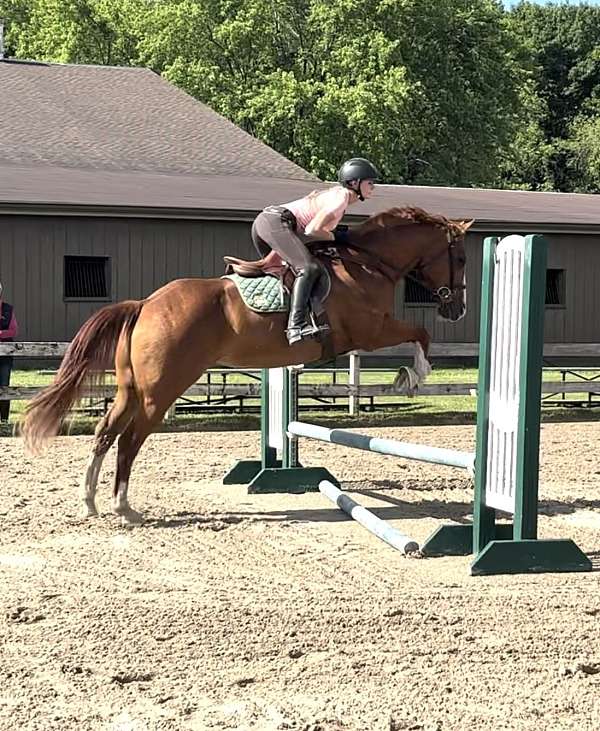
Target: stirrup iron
x=306, y=330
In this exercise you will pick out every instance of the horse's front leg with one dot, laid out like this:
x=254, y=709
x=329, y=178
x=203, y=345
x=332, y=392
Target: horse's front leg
x=395, y=332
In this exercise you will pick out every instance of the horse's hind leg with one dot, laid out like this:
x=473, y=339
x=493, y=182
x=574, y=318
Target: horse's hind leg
x=130, y=442
x=109, y=427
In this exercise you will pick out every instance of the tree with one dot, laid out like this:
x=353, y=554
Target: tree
x=73, y=31
x=429, y=89
x=551, y=152
x=585, y=154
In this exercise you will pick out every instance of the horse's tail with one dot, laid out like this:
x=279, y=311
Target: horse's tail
x=89, y=355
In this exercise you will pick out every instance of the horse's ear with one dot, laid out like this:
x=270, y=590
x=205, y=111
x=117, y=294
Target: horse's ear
x=466, y=225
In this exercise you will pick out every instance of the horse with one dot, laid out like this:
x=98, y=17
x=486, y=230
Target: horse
x=161, y=345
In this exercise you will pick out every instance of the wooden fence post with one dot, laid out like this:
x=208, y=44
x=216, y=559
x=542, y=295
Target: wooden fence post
x=354, y=381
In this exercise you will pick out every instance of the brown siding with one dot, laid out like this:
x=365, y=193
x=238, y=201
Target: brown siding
x=578, y=255
x=145, y=254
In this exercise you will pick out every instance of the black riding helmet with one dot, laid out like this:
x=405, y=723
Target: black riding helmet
x=357, y=168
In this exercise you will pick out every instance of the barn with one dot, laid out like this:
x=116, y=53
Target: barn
x=569, y=222
x=113, y=182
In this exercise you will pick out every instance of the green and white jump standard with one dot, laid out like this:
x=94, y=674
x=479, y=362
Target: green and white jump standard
x=278, y=469
x=508, y=421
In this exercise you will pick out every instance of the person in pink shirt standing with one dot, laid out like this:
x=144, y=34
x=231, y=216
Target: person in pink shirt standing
x=8, y=332
x=287, y=229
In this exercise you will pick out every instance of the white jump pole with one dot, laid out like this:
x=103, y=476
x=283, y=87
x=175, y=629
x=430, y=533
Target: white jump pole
x=371, y=522
x=392, y=447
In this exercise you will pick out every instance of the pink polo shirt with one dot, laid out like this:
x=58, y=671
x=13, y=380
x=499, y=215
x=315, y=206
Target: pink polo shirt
x=333, y=200
x=12, y=329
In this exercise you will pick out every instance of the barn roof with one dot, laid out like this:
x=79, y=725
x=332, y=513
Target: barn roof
x=497, y=208
x=122, y=119
x=96, y=140
x=47, y=189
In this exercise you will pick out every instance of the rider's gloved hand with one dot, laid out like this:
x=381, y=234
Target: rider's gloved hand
x=340, y=234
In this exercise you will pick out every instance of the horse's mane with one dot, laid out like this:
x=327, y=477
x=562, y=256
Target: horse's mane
x=404, y=217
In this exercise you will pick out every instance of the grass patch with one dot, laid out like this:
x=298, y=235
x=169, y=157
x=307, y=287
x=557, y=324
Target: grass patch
x=390, y=410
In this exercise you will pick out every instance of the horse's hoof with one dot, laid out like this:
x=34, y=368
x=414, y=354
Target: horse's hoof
x=406, y=381
x=129, y=516
x=89, y=510
x=399, y=380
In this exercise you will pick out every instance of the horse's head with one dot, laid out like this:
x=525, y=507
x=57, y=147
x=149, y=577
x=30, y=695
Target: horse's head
x=409, y=242
x=441, y=269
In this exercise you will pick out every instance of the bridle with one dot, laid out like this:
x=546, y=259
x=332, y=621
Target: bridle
x=444, y=294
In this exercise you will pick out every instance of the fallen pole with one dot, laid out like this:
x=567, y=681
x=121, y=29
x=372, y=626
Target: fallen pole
x=421, y=452
x=371, y=522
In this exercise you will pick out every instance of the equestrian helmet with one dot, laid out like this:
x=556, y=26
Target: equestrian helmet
x=357, y=168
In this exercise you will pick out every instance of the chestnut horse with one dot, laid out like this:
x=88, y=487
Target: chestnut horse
x=161, y=345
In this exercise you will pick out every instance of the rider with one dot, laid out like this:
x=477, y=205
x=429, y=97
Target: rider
x=289, y=227
x=8, y=332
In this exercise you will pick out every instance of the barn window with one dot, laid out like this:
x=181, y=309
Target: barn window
x=415, y=293
x=555, y=286
x=87, y=278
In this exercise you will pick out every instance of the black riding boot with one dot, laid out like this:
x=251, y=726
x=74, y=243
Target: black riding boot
x=298, y=326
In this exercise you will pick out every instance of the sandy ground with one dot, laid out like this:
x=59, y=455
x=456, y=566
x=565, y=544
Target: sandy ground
x=232, y=611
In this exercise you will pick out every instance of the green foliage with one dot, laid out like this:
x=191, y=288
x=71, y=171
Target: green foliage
x=443, y=92
x=557, y=148
x=585, y=154
x=429, y=90
x=73, y=31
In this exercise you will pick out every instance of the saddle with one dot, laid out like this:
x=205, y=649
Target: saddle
x=274, y=266
x=271, y=265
